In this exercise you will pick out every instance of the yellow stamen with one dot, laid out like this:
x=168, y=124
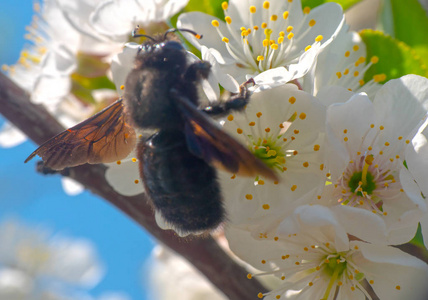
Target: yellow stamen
x=266, y=5
x=285, y=14
x=319, y=38
x=368, y=162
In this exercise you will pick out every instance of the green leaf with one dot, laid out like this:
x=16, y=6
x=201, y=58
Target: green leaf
x=411, y=25
x=396, y=59
x=90, y=65
x=211, y=7
x=346, y=4
x=90, y=75
x=418, y=240
x=83, y=86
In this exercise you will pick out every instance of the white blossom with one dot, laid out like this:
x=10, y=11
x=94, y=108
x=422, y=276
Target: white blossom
x=117, y=18
x=417, y=162
x=171, y=275
x=314, y=258
x=342, y=63
x=276, y=39
x=33, y=262
x=283, y=127
x=366, y=155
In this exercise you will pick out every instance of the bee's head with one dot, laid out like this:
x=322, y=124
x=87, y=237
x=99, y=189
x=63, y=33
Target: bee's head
x=162, y=51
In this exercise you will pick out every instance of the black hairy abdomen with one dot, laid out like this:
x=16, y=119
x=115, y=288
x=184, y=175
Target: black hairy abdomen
x=182, y=187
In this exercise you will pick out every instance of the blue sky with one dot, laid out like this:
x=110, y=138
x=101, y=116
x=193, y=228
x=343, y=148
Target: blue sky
x=35, y=199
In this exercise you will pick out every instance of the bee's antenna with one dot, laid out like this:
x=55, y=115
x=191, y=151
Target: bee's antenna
x=136, y=35
x=182, y=29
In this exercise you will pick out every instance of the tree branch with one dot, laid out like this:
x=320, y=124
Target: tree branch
x=204, y=253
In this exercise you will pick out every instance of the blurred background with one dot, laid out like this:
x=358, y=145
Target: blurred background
x=35, y=200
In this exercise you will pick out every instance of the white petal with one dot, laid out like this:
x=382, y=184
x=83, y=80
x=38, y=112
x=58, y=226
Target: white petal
x=329, y=21
x=15, y=284
x=210, y=89
x=75, y=261
x=11, y=136
x=170, y=275
x=305, y=62
x=115, y=17
x=316, y=216
x=331, y=94
x=398, y=235
x=356, y=116
x=390, y=267
x=125, y=178
x=71, y=187
x=404, y=99
x=417, y=159
x=59, y=61
x=225, y=80
x=201, y=24
x=122, y=64
x=49, y=90
x=413, y=188
x=272, y=78
x=250, y=250
x=346, y=293
x=361, y=223
x=113, y=296
x=171, y=8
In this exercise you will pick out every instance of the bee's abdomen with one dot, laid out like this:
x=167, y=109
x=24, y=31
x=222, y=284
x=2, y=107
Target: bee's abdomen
x=182, y=187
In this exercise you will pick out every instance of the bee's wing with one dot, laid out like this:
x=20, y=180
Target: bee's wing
x=104, y=137
x=208, y=141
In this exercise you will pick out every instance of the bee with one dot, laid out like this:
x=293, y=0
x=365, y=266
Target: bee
x=178, y=162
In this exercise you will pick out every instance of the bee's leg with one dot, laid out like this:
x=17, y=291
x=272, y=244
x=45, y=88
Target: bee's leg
x=42, y=169
x=197, y=71
x=235, y=103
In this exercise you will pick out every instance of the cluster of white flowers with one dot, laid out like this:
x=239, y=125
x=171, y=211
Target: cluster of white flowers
x=34, y=264
x=351, y=155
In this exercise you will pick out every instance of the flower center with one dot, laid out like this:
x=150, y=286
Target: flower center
x=363, y=182
x=268, y=41
x=334, y=267
x=269, y=152
x=370, y=177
